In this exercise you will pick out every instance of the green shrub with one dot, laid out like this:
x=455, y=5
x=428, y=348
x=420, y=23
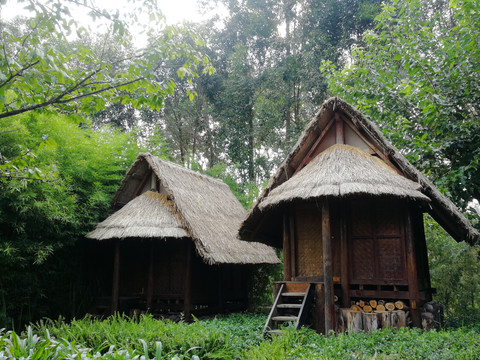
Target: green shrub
x=236, y=336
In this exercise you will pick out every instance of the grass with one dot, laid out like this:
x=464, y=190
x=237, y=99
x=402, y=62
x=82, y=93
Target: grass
x=232, y=337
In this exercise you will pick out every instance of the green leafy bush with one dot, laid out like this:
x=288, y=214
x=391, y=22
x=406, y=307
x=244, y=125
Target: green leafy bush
x=237, y=337
x=43, y=222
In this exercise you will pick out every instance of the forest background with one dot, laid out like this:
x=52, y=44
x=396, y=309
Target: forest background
x=228, y=97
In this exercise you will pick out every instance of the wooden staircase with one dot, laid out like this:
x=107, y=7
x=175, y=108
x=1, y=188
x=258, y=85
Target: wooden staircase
x=292, y=305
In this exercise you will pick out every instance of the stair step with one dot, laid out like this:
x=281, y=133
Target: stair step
x=289, y=306
x=296, y=294
x=285, y=318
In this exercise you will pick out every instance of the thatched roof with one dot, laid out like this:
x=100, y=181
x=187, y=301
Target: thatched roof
x=344, y=170
x=440, y=207
x=150, y=215
x=191, y=204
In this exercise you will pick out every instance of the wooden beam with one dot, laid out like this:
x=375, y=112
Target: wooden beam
x=314, y=147
x=151, y=279
x=153, y=182
x=339, y=130
x=328, y=268
x=187, y=295
x=116, y=277
x=287, y=260
x=412, y=273
x=142, y=184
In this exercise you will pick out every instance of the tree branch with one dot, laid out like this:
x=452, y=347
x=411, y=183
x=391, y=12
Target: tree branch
x=58, y=99
x=19, y=73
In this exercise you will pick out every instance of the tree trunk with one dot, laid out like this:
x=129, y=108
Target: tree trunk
x=251, y=142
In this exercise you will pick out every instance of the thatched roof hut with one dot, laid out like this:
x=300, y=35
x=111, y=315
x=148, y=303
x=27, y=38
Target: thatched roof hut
x=347, y=209
x=440, y=207
x=188, y=204
x=172, y=243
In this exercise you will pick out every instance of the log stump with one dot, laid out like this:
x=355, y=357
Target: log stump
x=398, y=318
x=371, y=321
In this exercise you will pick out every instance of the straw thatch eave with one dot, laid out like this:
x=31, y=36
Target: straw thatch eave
x=441, y=208
x=150, y=215
x=344, y=171
x=205, y=208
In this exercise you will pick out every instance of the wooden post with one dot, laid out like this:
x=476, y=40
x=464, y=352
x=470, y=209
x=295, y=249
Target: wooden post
x=327, y=268
x=319, y=309
x=339, y=130
x=151, y=279
x=344, y=257
x=116, y=277
x=220, y=288
x=287, y=263
x=293, y=255
x=412, y=274
x=187, y=298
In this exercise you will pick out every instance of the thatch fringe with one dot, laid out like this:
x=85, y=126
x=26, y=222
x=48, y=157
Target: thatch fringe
x=150, y=215
x=340, y=171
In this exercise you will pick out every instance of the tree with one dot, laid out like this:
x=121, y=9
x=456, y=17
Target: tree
x=267, y=83
x=454, y=269
x=42, y=68
x=42, y=225
x=418, y=76
x=35, y=75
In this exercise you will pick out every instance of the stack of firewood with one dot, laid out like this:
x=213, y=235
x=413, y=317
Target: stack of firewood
x=372, y=315
x=377, y=306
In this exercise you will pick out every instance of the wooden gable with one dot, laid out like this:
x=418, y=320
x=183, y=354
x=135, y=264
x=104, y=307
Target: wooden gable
x=339, y=129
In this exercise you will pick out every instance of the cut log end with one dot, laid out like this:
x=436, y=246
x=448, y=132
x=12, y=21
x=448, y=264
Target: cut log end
x=390, y=306
x=399, y=305
x=367, y=309
x=356, y=308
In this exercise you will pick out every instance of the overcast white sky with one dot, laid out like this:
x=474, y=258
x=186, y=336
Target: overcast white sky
x=175, y=11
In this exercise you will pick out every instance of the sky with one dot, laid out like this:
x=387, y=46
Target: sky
x=175, y=11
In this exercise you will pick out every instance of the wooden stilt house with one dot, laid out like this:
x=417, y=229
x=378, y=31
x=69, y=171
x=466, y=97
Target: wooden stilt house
x=171, y=245
x=347, y=209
